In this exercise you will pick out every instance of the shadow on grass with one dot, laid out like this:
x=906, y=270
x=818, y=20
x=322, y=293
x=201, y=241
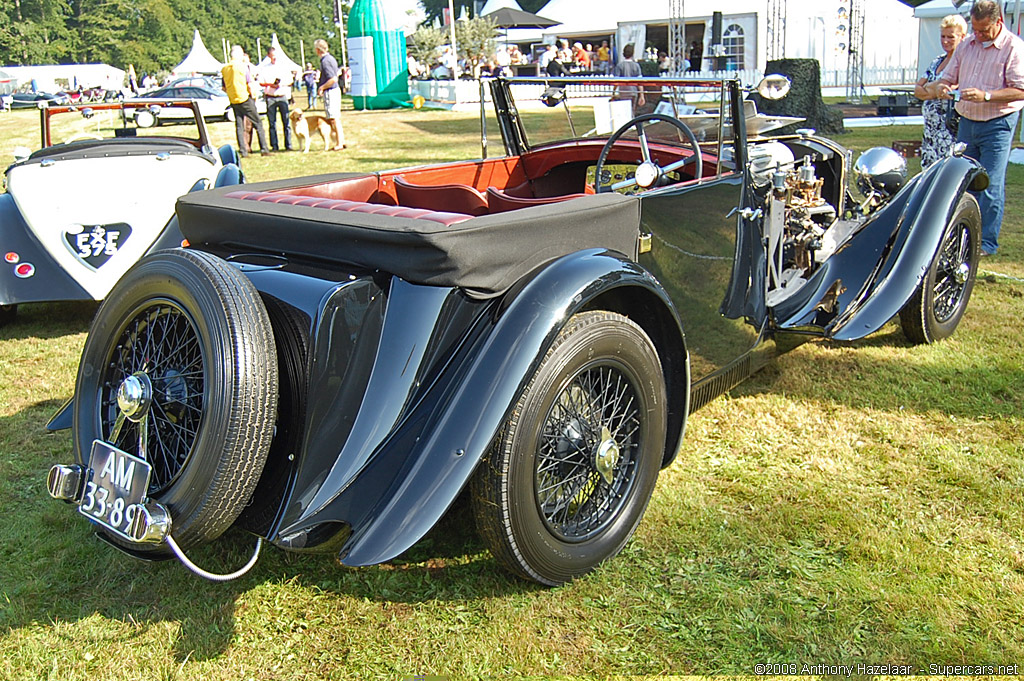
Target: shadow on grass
x=50, y=320
x=63, y=573
x=979, y=386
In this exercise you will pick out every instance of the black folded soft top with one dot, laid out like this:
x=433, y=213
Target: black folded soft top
x=484, y=255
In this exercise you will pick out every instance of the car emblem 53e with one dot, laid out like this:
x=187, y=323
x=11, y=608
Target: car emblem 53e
x=94, y=245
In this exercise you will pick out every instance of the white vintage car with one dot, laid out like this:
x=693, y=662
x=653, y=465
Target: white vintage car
x=98, y=195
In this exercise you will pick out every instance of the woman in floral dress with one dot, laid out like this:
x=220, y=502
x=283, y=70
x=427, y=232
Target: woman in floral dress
x=937, y=138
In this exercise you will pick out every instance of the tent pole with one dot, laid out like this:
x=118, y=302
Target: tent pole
x=341, y=29
x=451, y=28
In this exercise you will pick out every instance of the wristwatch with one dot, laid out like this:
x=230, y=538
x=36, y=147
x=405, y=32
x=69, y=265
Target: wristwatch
x=988, y=96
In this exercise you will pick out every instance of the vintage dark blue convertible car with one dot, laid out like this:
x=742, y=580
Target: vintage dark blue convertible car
x=334, y=360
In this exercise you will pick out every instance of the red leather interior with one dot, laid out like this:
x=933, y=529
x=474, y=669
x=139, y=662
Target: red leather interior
x=445, y=218
x=453, y=198
x=454, y=192
x=499, y=201
x=351, y=189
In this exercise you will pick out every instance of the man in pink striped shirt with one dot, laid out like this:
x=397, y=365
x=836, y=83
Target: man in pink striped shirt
x=986, y=73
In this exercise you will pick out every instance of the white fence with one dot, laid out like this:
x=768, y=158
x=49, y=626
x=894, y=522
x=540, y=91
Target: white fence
x=464, y=95
x=874, y=78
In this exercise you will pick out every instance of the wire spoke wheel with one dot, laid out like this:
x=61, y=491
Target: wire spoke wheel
x=180, y=366
x=568, y=479
x=161, y=342
x=951, y=275
x=574, y=498
x=936, y=307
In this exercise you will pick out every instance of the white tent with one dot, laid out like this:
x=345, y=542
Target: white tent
x=199, y=59
x=69, y=76
x=282, y=58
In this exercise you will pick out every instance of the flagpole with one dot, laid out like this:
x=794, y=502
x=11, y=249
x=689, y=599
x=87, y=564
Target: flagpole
x=451, y=29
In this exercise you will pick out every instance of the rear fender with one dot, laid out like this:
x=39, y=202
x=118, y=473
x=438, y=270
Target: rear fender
x=418, y=471
x=48, y=280
x=870, y=278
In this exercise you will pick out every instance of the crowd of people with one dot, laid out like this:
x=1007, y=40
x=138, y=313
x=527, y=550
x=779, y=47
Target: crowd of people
x=558, y=59
x=973, y=94
x=277, y=83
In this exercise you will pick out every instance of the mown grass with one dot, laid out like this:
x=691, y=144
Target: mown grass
x=853, y=503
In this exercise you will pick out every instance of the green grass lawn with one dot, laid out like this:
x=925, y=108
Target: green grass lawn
x=853, y=503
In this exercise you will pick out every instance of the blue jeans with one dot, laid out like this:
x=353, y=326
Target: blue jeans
x=989, y=142
x=279, y=106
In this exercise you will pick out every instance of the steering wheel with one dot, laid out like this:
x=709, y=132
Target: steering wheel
x=83, y=136
x=648, y=173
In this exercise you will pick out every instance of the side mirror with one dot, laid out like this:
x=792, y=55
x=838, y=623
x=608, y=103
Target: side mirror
x=21, y=153
x=773, y=87
x=552, y=96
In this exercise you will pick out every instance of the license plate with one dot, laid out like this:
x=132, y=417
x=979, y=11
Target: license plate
x=115, y=483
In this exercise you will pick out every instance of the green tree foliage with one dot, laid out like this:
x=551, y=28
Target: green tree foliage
x=425, y=43
x=474, y=39
x=434, y=9
x=154, y=35
x=532, y=5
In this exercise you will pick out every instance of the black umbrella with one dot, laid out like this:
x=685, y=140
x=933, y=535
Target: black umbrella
x=507, y=17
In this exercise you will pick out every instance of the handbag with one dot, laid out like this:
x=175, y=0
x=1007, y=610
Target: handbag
x=952, y=120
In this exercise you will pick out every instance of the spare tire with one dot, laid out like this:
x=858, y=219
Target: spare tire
x=196, y=329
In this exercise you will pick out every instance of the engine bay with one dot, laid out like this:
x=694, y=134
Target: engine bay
x=807, y=211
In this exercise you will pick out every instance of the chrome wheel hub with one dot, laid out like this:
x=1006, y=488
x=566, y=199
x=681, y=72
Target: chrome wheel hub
x=962, y=272
x=134, y=396
x=606, y=456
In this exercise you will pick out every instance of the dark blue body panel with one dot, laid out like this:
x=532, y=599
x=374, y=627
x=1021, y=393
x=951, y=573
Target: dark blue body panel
x=872, y=276
x=408, y=386
x=49, y=282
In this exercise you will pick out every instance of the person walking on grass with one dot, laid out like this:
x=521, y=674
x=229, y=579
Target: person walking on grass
x=329, y=88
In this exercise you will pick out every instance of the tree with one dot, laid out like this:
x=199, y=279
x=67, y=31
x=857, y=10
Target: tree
x=153, y=35
x=532, y=5
x=434, y=9
x=425, y=44
x=475, y=40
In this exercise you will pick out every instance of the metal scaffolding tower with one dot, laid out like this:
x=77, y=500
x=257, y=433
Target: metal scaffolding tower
x=677, y=34
x=776, y=29
x=855, y=63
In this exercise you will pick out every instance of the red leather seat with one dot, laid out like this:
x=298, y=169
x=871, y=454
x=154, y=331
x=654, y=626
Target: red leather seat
x=448, y=198
x=500, y=202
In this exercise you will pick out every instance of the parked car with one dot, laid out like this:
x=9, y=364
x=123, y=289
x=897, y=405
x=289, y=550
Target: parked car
x=213, y=103
x=333, y=361
x=34, y=100
x=212, y=82
x=97, y=196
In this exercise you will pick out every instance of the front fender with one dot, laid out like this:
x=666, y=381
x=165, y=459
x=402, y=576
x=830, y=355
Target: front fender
x=414, y=476
x=870, y=278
